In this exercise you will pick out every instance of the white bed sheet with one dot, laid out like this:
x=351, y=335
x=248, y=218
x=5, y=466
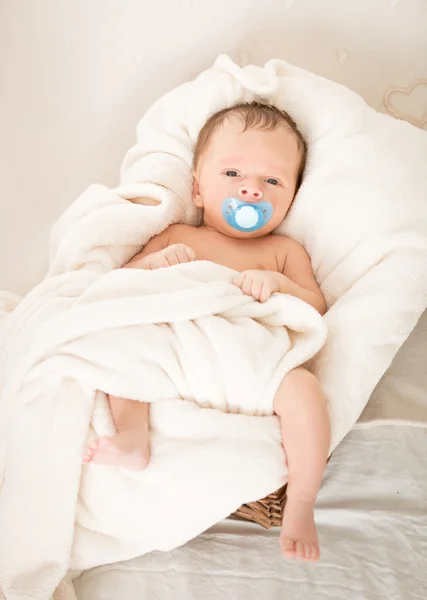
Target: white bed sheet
x=372, y=522
x=371, y=515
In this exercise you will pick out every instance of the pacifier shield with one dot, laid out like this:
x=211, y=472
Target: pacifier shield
x=246, y=216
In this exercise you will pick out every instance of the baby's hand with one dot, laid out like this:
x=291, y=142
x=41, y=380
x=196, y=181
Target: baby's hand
x=259, y=284
x=172, y=255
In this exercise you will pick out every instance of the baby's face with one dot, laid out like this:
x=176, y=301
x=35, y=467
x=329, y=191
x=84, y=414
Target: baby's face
x=252, y=165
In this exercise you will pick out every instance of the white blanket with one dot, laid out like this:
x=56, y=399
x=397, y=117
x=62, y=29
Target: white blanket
x=181, y=338
x=85, y=328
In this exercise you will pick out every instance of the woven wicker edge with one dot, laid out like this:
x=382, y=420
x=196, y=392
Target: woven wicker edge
x=266, y=512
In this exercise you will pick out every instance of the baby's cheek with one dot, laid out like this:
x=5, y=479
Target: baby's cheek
x=279, y=212
x=282, y=204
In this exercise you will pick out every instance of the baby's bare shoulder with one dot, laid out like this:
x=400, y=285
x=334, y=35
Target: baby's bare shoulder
x=287, y=249
x=179, y=233
x=282, y=243
x=179, y=229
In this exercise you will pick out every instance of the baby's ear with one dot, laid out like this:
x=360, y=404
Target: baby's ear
x=197, y=199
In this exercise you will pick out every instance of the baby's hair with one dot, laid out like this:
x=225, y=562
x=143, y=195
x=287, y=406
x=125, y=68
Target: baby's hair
x=254, y=115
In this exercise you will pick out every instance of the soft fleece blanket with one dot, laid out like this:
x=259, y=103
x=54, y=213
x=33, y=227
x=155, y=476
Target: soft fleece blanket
x=185, y=339
x=89, y=326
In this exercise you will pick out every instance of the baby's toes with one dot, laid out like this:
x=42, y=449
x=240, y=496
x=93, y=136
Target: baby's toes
x=87, y=455
x=309, y=551
x=315, y=553
x=288, y=548
x=90, y=451
x=300, y=550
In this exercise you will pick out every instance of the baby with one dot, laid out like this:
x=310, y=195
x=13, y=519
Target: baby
x=248, y=164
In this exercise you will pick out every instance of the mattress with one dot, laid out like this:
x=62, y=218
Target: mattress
x=371, y=515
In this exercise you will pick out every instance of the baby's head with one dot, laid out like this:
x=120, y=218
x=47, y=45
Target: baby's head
x=252, y=153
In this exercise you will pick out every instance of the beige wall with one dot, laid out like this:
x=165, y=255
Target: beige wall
x=76, y=75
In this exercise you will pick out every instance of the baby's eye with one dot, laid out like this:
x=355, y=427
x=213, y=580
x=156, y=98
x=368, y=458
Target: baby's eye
x=272, y=181
x=232, y=173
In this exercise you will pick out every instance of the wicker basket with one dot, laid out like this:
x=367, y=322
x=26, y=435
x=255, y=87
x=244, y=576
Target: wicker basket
x=266, y=512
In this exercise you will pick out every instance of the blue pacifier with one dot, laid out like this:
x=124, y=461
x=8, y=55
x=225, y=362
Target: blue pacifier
x=245, y=216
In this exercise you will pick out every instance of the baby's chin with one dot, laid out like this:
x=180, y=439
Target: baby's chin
x=231, y=232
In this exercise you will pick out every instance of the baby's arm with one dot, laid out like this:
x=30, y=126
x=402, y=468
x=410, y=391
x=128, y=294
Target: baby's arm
x=299, y=277
x=296, y=277
x=157, y=253
x=155, y=244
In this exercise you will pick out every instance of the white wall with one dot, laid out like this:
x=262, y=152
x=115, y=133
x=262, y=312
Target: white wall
x=76, y=76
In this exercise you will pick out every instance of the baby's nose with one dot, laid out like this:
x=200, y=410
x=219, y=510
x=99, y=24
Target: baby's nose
x=250, y=192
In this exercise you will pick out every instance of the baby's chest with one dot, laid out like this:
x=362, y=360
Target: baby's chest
x=234, y=254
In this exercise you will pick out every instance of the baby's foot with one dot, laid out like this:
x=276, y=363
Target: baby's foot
x=129, y=449
x=298, y=538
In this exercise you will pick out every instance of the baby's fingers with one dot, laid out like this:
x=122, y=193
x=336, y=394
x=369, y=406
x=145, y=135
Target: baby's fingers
x=238, y=280
x=244, y=282
x=265, y=292
x=247, y=285
x=173, y=258
x=189, y=253
x=256, y=288
x=180, y=255
x=158, y=261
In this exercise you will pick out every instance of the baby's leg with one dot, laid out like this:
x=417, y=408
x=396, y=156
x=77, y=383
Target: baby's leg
x=303, y=414
x=130, y=448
